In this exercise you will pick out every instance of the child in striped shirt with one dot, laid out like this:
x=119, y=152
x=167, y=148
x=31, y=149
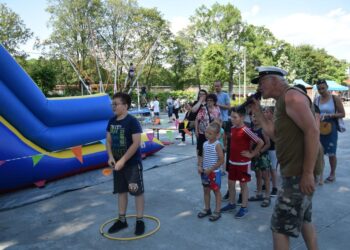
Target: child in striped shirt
x=209, y=169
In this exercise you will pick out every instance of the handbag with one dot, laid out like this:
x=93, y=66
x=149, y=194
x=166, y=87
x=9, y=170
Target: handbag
x=325, y=128
x=340, y=124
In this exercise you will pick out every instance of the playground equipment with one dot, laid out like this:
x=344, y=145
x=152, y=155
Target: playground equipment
x=44, y=139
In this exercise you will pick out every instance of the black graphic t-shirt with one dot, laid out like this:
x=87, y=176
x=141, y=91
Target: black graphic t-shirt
x=121, y=132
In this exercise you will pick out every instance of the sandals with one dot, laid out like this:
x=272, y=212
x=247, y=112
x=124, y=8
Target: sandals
x=215, y=216
x=256, y=198
x=329, y=179
x=204, y=213
x=266, y=202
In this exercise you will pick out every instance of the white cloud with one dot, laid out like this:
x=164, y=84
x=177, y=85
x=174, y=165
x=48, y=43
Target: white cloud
x=252, y=12
x=330, y=31
x=178, y=23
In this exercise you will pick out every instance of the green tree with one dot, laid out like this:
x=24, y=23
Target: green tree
x=221, y=24
x=13, y=32
x=72, y=25
x=214, y=64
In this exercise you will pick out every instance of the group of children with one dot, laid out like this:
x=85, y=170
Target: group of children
x=247, y=148
x=244, y=147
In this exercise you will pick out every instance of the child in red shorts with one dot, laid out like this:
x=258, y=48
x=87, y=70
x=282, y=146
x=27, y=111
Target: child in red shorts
x=239, y=162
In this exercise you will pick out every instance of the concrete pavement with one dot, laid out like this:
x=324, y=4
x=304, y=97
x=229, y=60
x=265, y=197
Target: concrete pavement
x=71, y=220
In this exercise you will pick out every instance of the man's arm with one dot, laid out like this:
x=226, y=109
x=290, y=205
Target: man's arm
x=298, y=109
x=136, y=141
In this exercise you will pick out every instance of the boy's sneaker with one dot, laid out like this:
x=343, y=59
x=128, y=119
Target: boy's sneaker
x=228, y=208
x=274, y=192
x=140, y=227
x=241, y=213
x=239, y=201
x=182, y=144
x=117, y=226
x=226, y=196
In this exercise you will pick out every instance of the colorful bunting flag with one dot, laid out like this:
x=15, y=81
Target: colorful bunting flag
x=36, y=159
x=78, y=152
x=170, y=135
x=150, y=136
x=185, y=123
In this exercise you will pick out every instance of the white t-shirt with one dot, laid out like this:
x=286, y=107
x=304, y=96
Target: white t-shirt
x=156, y=106
x=176, y=104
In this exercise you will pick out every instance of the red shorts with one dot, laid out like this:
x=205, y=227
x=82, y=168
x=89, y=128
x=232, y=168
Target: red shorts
x=239, y=173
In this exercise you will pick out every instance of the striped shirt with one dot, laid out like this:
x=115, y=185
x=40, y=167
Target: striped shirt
x=210, y=156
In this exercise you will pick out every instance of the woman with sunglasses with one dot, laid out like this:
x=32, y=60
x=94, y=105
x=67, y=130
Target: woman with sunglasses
x=331, y=108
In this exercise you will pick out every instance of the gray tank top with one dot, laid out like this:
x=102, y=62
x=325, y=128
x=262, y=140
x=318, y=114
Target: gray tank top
x=327, y=107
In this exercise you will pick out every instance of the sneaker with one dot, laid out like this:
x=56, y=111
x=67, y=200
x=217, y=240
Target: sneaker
x=239, y=201
x=241, y=213
x=117, y=226
x=228, y=208
x=179, y=137
x=182, y=144
x=274, y=192
x=140, y=227
x=226, y=196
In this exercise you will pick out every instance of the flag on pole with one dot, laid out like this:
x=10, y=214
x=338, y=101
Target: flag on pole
x=170, y=135
x=185, y=123
x=150, y=136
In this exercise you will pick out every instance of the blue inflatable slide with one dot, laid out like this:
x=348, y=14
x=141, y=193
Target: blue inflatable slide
x=37, y=134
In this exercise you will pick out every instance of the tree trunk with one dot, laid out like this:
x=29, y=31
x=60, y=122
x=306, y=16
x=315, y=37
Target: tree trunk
x=230, y=81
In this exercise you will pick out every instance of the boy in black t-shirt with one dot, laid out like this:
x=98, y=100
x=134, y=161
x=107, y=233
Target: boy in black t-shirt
x=123, y=146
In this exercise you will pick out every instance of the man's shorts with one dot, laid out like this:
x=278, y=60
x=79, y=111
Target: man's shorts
x=239, y=173
x=128, y=174
x=292, y=208
x=273, y=159
x=261, y=163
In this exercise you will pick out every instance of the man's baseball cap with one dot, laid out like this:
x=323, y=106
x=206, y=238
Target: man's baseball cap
x=268, y=70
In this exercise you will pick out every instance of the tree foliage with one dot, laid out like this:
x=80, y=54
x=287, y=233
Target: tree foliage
x=13, y=31
x=102, y=37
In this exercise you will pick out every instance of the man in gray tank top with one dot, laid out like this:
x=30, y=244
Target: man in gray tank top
x=295, y=134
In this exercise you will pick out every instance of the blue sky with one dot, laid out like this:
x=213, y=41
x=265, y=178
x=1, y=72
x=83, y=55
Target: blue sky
x=321, y=23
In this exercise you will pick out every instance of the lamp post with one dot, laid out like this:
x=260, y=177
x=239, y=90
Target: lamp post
x=245, y=75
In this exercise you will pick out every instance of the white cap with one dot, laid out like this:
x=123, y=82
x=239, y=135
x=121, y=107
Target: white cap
x=268, y=70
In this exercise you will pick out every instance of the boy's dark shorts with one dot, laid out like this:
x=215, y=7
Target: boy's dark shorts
x=292, y=208
x=127, y=175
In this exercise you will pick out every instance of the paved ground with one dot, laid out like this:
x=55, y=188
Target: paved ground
x=71, y=220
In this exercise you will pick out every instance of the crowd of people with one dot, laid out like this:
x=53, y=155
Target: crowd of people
x=288, y=135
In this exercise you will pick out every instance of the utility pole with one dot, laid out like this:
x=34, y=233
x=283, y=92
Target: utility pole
x=245, y=75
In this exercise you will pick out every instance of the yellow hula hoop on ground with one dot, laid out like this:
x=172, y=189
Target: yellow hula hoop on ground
x=106, y=235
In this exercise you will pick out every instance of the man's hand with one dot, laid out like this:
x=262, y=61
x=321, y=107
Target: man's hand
x=119, y=165
x=307, y=184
